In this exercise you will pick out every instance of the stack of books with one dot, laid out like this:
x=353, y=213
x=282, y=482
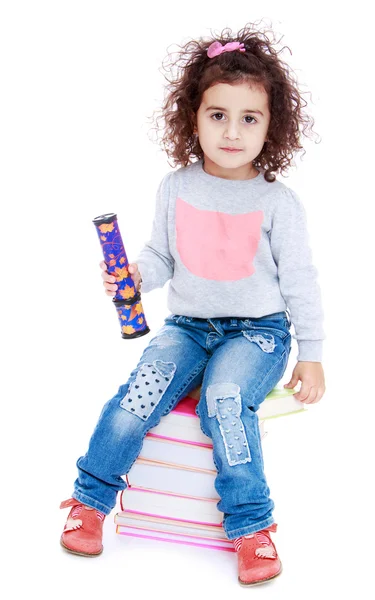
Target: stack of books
x=171, y=495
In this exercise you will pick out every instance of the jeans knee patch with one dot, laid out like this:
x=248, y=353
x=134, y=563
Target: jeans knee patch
x=148, y=388
x=265, y=341
x=224, y=402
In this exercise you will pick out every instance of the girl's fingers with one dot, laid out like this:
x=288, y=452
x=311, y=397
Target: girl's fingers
x=318, y=396
x=105, y=275
x=312, y=395
x=133, y=268
x=111, y=287
x=108, y=278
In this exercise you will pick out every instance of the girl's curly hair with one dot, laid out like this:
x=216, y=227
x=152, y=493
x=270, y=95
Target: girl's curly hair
x=191, y=72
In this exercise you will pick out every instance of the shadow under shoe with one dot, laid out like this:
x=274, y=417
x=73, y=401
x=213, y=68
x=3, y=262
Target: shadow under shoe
x=258, y=561
x=83, y=531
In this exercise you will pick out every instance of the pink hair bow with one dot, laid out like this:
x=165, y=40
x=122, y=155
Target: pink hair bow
x=216, y=48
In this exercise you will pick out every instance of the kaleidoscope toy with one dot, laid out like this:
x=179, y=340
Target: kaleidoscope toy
x=127, y=300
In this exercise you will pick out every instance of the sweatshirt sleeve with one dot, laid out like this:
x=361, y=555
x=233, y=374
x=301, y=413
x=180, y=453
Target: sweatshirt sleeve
x=297, y=275
x=155, y=262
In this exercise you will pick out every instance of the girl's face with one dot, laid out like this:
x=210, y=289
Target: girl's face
x=232, y=124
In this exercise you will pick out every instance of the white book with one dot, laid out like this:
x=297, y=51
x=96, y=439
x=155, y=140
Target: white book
x=178, y=453
x=155, y=504
x=160, y=524
x=279, y=403
x=177, y=479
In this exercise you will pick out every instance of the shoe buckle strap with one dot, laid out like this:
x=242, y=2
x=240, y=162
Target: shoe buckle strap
x=69, y=503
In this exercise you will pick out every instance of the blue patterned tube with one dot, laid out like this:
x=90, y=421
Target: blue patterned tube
x=127, y=300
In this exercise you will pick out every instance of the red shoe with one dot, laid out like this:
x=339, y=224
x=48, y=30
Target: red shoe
x=258, y=561
x=83, y=531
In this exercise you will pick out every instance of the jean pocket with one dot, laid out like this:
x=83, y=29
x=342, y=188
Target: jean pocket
x=283, y=322
x=279, y=327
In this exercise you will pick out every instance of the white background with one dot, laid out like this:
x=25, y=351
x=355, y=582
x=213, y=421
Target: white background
x=79, y=80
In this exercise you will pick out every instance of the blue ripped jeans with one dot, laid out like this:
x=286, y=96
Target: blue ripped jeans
x=237, y=362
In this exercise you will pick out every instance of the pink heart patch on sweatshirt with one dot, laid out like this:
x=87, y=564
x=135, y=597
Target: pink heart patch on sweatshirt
x=216, y=245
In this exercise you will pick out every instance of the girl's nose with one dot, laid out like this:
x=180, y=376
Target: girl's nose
x=231, y=132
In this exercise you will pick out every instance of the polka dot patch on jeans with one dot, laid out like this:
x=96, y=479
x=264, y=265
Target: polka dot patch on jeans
x=146, y=391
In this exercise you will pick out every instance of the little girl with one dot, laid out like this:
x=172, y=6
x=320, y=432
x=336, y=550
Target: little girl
x=233, y=242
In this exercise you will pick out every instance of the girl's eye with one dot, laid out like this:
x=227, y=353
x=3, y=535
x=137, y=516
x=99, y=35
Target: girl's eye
x=220, y=115
x=249, y=117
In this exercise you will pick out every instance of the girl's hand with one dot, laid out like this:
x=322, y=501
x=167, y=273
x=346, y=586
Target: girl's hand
x=311, y=375
x=109, y=281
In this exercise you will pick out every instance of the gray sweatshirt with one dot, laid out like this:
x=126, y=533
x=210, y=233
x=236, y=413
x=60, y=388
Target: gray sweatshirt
x=234, y=248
